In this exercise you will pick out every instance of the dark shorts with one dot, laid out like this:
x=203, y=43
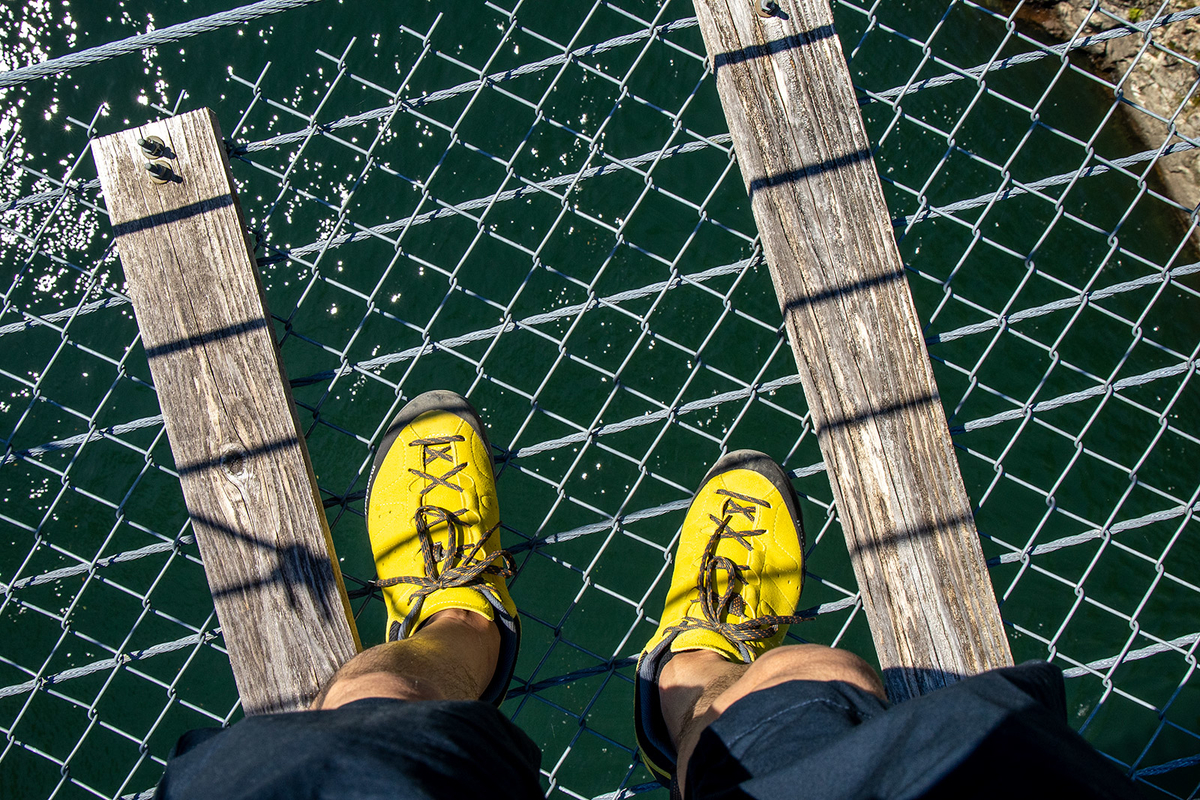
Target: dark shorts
x=373, y=748
x=1001, y=734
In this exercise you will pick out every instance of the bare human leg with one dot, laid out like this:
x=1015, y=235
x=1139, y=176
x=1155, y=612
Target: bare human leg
x=697, y=686
x=451, y=657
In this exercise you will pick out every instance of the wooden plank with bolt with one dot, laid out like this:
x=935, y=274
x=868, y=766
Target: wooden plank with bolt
x=242, y=461
x=827, y=236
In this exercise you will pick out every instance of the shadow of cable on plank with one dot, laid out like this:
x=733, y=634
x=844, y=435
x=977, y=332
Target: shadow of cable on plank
x=174, y=215
x=205, y=338
x=296, y=568
x=772, y=46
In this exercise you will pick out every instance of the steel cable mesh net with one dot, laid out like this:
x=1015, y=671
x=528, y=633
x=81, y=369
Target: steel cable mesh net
x=539, y=207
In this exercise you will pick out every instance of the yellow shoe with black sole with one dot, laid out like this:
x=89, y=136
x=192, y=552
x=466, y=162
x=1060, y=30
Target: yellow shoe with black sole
x=434, y=523
x=739, y=569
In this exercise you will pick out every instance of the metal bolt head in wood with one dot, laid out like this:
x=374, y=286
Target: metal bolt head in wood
x=153, y=146
x=160, y=171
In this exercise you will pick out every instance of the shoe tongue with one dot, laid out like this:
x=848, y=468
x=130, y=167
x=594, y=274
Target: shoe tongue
x=698, y=638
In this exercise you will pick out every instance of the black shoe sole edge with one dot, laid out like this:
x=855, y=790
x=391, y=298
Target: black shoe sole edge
x=650, y=729
x=506, y=663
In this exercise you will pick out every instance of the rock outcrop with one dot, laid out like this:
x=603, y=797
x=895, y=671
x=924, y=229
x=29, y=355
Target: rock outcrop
x=1157, y=76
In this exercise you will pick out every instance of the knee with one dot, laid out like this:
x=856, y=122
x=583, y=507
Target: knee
x=345, y=689
x=814, y=662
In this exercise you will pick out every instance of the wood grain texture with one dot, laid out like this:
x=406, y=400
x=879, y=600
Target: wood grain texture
x=827, y=237
x=244, y=467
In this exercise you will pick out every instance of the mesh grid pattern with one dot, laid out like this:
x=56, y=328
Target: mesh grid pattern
x=539, y=208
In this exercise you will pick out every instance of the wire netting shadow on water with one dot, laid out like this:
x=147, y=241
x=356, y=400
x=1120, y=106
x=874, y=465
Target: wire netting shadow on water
x=538, y=206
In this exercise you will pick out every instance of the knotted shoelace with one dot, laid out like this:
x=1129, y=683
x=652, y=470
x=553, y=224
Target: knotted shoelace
x=458, y=563
x=715, y=607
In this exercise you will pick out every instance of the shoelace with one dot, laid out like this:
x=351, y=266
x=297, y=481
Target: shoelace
x=458, y=563
x=713, y=606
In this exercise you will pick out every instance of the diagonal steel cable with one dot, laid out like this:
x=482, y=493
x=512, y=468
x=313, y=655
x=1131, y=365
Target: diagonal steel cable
x=143, y=41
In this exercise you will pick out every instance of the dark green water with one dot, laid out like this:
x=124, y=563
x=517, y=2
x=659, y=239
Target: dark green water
x=585, y=601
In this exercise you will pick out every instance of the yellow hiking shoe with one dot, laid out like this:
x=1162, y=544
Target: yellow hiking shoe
x=739, y=569
x=433, y=519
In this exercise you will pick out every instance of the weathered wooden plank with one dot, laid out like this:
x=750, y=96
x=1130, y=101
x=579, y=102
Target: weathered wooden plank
x=827, y=237
x=243, y=463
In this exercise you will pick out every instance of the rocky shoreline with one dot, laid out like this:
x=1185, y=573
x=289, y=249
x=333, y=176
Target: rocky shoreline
x=1159, y=80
